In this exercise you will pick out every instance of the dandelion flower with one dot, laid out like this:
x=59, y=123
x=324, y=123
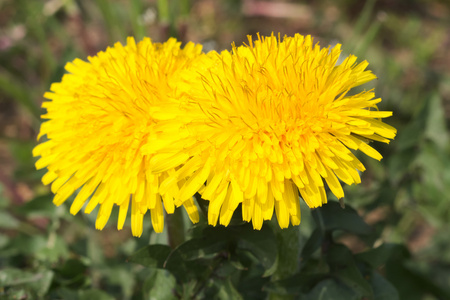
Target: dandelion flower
x=101, y=117
x=274, y=120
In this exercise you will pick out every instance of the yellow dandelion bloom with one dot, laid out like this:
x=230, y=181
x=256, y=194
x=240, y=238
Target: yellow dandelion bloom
x=271, y=121
x=101, y=118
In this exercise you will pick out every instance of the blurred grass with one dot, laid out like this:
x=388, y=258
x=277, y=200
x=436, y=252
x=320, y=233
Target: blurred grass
x=406, y=197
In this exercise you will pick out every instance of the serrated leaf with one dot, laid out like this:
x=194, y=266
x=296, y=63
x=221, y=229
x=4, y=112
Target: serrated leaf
x=152, y=256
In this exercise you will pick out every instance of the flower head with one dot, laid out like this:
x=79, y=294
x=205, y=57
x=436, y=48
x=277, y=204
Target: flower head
x=273, y=120
x=101, y=117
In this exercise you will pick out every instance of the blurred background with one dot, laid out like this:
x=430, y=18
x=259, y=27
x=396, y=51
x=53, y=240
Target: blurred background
x=405, y=198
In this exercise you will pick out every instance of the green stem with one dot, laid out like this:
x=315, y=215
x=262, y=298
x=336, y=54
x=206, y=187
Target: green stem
x=136, y=22
x=185, y=7
x=175, y=228
x=115, y=31
x=369, y=37
x=288, y=241
x=164, y=11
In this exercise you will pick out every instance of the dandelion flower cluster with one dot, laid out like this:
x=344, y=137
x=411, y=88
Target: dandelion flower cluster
x=256, y=127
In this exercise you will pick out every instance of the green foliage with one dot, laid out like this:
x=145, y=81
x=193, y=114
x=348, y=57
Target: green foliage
x=225, y=261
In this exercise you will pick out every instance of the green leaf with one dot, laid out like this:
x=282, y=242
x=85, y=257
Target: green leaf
x=28, y=245
x=344, y=268
x=4, y=202
x=334, y=217
x=295, y=285
x=214, y=244
x=436, y=129
x=4, y=240
x=120, y=276
x=72, y=267
x=250, y=281
x=94, y=294
x=380, y=255
x=313, y=243
x=194, y=258
x=7, y=221
x=412, y=283
x=330, y=289
x=152, y=256
x=179, y=267
x=71, y=274
x=17, y=293
x=400, y=164
x=382, y=289
x=411, y=135
x=21, y=150
x=159, y=285
x=202, y=248
x=19, y=90
x=54, y=251
x=288, y=248
x=38, y=283
x=222, y=289
x=236, y=263
x=188, y=270
x=262, y=244
x=41, y=206
x=225, y=269
x=67, y=294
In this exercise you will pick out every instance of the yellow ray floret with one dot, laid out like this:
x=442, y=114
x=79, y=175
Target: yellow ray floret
x=274, y=121
x=101, y=119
